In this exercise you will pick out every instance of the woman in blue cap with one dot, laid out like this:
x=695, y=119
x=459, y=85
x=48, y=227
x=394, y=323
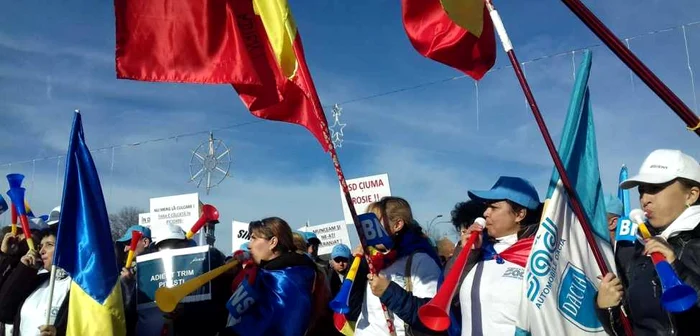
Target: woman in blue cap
x=490, y=294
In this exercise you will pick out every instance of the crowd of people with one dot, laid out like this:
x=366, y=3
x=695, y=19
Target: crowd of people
x=280, y=285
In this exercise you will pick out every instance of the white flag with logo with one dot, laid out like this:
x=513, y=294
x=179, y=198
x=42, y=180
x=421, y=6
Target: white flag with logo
x=560, y=275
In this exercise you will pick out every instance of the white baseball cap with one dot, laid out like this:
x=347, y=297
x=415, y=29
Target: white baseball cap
x=664, y=165
x=165, y=232
x=54, y=216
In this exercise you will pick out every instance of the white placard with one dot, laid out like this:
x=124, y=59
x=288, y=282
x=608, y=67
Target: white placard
x=145, y=219
x=240, y=235
x=364, y=190
x=181, y=210
x=330, y=234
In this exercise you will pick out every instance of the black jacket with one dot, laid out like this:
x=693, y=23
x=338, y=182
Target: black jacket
x=357, y=293
x=643, y=289
x=16, y=287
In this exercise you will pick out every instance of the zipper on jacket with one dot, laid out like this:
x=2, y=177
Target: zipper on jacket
x=654, y=285
x=672, y=330
x=611, y=318
x=670, y=324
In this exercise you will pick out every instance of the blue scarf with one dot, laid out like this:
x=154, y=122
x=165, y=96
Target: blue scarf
x=414, y=240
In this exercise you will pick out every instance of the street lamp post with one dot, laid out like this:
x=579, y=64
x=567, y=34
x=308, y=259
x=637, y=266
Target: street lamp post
x=430, y=224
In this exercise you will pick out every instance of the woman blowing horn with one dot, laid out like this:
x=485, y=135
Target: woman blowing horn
x=669, y=193
x=279, y=292
x=490, y=290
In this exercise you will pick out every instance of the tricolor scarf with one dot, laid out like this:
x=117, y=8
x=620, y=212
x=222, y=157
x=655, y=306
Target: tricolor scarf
x=516, y=253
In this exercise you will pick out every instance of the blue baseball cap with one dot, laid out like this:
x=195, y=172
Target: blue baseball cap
x=310, y=238
x=613, y=205
x=127, y=235
x=341, y=251
x=514, y=189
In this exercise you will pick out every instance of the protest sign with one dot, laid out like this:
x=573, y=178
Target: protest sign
x=170, y=268
x=330, y=234
x=240, y=235
x=180, y=210
x=363, y=191
x=145, y=219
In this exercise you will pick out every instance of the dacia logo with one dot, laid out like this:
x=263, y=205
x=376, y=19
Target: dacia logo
x=577, y=300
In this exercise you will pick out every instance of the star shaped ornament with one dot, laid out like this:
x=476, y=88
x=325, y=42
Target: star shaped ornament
x=337, y=127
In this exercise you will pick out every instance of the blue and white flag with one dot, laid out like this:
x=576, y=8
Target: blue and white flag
x=560, y=277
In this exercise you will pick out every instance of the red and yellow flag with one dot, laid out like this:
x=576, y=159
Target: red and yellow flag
x=251, y=44
x=457, y=33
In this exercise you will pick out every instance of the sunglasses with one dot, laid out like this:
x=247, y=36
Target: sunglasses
x=653, y=189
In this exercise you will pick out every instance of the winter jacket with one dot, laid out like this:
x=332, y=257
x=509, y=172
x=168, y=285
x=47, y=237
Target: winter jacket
x=642, y=289
x=406, y=306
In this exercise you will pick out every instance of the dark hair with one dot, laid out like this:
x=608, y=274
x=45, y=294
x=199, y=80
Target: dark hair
x=688, y=184
x=529, y=225
x=51, y=231
x=274, y=227
x=464, y=213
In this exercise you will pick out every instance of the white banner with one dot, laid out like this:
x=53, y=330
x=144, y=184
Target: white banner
x=559, y=288
x=364, y=190
x=240, y=235
x=330, y=235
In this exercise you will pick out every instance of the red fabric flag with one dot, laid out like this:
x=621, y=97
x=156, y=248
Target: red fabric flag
x=250, y=44
x=436, y=35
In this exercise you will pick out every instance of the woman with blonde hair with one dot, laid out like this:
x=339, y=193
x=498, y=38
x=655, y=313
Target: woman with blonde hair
x=411, y=265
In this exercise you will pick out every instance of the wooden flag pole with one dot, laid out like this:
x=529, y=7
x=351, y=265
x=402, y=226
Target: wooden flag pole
x=573, y=197
x=641, y=70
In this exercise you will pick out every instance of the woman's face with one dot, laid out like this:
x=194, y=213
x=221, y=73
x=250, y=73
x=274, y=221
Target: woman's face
x=261, y=248
x=501, y=221
x=46, y=251
x=663, y=203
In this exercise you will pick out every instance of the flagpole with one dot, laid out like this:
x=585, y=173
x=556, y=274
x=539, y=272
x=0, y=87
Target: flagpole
x=573, y=197
x=636, y=65
x=52, y=283
x=346, y=192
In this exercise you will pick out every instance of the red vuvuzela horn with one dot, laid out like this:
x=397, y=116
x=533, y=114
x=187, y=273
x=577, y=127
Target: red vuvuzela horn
x=209, y=214
x=436, y=313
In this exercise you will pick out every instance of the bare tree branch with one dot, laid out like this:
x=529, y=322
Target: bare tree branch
x=122, y=220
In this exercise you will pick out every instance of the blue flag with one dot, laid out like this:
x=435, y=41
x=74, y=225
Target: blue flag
x=624, y=194
x=579, y=153
x=561, y=271
x=278, y=303
x=84, y=246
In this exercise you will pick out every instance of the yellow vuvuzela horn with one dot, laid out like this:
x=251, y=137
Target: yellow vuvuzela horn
x=168, y=298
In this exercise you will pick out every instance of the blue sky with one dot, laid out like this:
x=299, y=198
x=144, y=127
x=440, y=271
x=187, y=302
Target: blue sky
x=59, y=56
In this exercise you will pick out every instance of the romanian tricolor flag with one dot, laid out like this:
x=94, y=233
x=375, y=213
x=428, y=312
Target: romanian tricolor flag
x=84, y=247
x=251, y=44
x=457, y=33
